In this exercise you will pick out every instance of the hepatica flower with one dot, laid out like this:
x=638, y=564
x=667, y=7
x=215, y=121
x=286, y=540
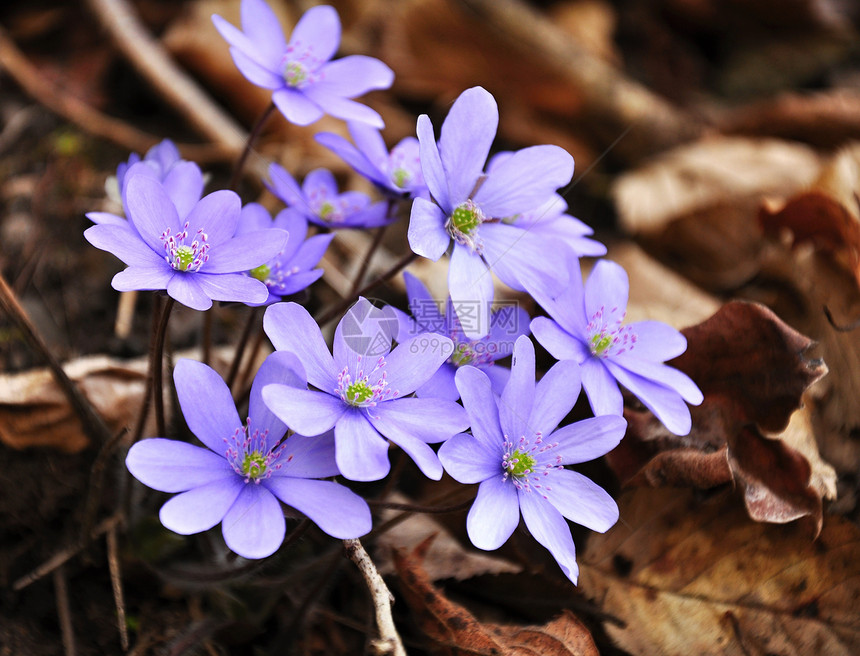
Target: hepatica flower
x=586, y=325
x=181, y=179
x=506, y=325
x=195, y=258
x=396, y=174
x=245, y=469
x=304, y=82
x=361, y=389
x=517, y=455
x=319, y=201
x=291, y=270
x=469, y=206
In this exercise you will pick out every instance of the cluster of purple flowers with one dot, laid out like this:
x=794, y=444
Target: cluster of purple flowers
x=431, y=378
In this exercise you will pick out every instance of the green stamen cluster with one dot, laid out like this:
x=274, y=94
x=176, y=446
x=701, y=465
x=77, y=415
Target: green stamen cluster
x=401, y=177
x=254, y=465
x=261, y=272
x=358, y=392
x=600, y=343
x=326, y=211
x=184, y=257
x=520, y=464
x=466, y=218
x=295, y=74
x=462, y=355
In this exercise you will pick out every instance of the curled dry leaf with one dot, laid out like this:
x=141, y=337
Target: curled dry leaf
x=811, y=262
x=687, y=576
x=35, y=412
x=454, y=631
x=753, y=370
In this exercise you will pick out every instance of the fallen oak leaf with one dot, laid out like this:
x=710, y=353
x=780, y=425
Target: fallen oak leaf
x=454, y=631
x=691, y=576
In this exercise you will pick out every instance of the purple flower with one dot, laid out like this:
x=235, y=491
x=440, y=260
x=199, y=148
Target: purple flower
x=196, y=258
x=291, y=270
x=246, y=468
x=182, y=180
x=469, y=208
x=396, y=174
x=319, y=202
x=506, y=325
x=518, y=457
x=304, y=82
x=360, y=391
x=586, y=326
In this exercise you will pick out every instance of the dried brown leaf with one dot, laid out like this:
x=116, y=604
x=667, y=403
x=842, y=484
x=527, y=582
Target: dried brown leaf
x=716, y=171
x=35, y=412
x=455, y=631
x=753, y=371
x=695, y=577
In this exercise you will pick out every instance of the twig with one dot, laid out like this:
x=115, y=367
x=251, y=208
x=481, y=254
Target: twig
x=91, y=422
x=608, y=93
x=63, y=556
x=92, y=121
x=341, y=307
x=153, y=63
x=116, y=584
x=63, y=611
x=389, y=641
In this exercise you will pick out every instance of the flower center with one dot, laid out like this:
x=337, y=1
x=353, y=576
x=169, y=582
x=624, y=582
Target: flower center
x=401, y=177
x=299, y=66
x=607, y=337
x=295, y=74
x=254, y=465
x=475, y=353
x=527, y=464
x=328, y=212
x=183, y=256
x=463, y=224
x=251, y=455
x=358, y=393
x=520, y=464
x=364, y=390
x=261, y=272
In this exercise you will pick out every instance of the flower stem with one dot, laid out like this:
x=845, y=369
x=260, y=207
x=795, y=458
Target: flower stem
x=365, y=264
x=240, y=348
x=341, y=307
x=154, y=371
x=158, y=369
x=249, y=144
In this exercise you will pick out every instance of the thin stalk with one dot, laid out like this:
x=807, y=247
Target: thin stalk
x=365, y=264
x=341, y=307
x=158, y=369
x=249, y=145
x=240, y=348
